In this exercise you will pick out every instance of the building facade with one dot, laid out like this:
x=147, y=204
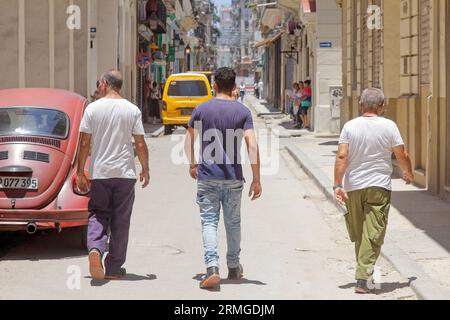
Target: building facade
x=67, y=44
x=302, y=41
x=403, y=47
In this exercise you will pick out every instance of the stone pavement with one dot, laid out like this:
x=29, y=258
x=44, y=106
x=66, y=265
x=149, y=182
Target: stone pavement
x=418, y=237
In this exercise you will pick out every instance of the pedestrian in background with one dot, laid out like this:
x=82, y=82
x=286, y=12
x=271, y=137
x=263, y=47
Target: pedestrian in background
x=365, y=159
x=242, y=91
x=256, y=89
x=289, y=100
x=108, y=125
x=235, y=94
x=261, y=89
x=154, y=102
x=96, y=95
x=296, y=95
x=306, y=98
x=219, y=175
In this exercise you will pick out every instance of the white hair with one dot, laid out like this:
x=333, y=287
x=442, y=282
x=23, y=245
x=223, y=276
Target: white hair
x=372, y=98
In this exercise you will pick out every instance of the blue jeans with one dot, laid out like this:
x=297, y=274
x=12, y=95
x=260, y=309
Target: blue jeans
x=211, y=195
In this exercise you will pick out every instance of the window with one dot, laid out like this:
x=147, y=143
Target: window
x=31, y=121
x=187, y=88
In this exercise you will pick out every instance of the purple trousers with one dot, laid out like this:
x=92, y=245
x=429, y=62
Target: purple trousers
x=110, y=206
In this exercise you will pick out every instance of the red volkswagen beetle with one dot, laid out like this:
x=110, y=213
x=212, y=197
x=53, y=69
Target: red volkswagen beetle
x=38, y=146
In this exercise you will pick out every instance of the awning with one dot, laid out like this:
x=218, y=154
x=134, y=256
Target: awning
x=269, y=41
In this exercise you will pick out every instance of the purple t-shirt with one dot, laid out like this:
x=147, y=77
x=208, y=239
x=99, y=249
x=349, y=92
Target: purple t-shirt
x=221, y=124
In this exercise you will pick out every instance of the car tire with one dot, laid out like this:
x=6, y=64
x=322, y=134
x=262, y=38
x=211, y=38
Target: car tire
x=83, y=237
x=168, y=129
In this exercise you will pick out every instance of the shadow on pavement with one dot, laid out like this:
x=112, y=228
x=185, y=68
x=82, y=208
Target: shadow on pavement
x=128, y=277
x=426, y=212
x=44, y=245
x=386, y=287
x=199, y=277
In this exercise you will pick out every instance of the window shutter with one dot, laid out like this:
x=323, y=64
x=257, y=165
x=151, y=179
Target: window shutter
x=364, y=46
x=425, y=41
x=377, y=51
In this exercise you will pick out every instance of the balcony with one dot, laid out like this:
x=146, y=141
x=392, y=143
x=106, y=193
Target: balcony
x=156, y=13
x=184, y=15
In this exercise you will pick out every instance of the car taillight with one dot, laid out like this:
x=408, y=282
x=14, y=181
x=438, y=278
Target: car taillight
x=164, y=106
x=75, y=187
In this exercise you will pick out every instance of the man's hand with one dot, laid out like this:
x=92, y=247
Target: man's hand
x=341, y=195
x=145, y=178
x=82, y=183
x=255, y=190
x=408, y=177
x=193, y=171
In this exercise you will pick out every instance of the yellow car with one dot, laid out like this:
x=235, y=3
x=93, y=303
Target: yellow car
x=182, y=93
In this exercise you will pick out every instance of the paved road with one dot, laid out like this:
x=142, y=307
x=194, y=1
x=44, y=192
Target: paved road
x=293, y=247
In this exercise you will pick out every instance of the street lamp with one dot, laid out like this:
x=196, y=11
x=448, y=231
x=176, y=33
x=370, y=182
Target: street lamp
x=187, y=51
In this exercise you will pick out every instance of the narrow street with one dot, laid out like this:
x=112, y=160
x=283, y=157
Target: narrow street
x=294, y=246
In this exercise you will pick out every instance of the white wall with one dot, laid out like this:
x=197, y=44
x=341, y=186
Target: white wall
x=328, y=64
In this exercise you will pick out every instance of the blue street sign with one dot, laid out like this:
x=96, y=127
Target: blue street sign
x=326, y=44
x=93, y=29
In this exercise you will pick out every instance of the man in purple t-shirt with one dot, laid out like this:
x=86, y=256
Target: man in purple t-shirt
x=221, y=124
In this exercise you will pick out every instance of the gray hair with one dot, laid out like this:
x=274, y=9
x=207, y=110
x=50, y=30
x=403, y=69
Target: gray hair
x=372, y=98
x=114, y=79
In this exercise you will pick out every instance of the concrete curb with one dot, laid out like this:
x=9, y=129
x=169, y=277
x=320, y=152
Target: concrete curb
x=420, y=282
x=158, y=132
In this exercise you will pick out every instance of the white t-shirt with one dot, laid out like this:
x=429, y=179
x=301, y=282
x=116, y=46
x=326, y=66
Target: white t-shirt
x=112, y=123
x=370, y=141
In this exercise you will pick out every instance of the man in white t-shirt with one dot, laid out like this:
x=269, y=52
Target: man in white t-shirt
x=108, y=126
x=365, y=159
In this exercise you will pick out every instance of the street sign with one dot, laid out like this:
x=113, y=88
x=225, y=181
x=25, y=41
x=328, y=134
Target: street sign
x=93, y=30
x=326, y=44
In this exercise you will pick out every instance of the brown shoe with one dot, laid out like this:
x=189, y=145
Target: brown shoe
x=212, y=278
x=95, y=265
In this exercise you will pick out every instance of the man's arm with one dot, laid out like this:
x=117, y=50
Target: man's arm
x=142, y=153
x=405, y=163
x=253, y=153
x=83, y=153
x=189, y=149
x=339, y=171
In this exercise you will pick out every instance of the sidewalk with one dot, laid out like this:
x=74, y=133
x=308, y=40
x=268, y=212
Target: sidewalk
x=418, y=238
x=281, y=123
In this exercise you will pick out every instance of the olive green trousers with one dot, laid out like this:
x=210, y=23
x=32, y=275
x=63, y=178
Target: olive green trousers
x=366, y=222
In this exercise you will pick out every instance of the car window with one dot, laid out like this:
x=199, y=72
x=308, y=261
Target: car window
x=33, y=121
x=187, y=88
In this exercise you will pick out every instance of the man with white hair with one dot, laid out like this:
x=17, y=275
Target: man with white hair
x=365, y=159
x=106, y=131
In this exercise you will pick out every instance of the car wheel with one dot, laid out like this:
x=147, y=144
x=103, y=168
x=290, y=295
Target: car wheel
x=168, y=129
x=83, y=237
